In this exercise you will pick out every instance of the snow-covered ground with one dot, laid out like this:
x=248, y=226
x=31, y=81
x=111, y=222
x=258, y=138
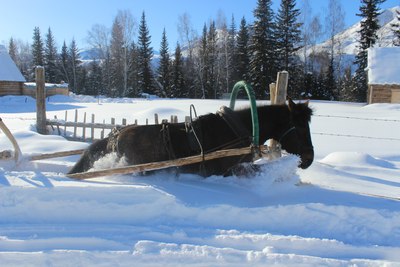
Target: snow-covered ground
x=342, y=211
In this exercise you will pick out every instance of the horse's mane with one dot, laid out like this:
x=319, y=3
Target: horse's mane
x=303, y=112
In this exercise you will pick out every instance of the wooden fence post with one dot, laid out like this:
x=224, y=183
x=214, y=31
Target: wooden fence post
x=278, y=97
x=272, y=93
x=281, y=87
x=40, y=100
x=92, y=129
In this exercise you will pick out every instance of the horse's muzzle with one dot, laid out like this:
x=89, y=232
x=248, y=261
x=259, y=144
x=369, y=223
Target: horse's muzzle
x=307, y=158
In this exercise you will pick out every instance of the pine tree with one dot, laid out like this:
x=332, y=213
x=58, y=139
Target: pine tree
x=263, y=60
x=50, y=56
x=396, y=29
x=369, y=26
x=164, y=67
x=288, y=37
x=242, y=54
x=178, y=79
x=144, y=58
x=37, y=49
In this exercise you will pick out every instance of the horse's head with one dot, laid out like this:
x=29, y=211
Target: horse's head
x=295, y=137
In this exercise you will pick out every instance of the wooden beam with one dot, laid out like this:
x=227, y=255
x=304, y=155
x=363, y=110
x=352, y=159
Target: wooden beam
x=165, y=164
x=57, y=154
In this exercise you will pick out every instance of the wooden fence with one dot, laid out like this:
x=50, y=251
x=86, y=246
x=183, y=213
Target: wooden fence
x=86, y=131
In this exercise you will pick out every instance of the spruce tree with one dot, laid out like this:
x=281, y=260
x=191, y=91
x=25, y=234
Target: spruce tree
x=178, y=79
x=64, y=66
x=163, y=71
x=145, y=56
x=263, y=60
x=242, y=52
x=288, y=38
x=288, y=33
x=369, y=12
x=74, y=68
x=37, y=49
x=50, y=56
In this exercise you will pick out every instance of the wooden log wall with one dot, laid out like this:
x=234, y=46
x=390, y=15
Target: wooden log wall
x=11, y=88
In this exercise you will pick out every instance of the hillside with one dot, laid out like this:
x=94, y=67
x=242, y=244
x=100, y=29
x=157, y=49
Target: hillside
x=348, y=39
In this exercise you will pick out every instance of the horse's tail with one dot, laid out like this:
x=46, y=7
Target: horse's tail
x=90, y=155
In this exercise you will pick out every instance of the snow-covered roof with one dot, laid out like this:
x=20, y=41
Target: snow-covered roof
x=383, y=65
x=8, y=69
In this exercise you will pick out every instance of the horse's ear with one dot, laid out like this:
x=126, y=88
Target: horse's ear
x=291, y=104
x=307, y=102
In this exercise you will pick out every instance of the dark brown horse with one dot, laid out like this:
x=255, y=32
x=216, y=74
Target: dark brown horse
x=289, y=124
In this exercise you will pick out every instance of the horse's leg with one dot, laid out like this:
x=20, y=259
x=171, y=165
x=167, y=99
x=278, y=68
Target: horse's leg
x=95, y=151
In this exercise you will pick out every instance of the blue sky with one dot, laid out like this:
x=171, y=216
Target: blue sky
x=73, y=18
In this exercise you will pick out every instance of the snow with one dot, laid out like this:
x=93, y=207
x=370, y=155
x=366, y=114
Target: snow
x=8, y=69
x=342, y=211
x=383, y=65
x=47, y=85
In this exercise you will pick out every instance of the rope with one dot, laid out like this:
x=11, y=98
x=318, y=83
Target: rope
x=359, y=136
x=193, y=130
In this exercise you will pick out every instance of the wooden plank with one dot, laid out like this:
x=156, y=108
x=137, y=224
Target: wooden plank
x=164, y=164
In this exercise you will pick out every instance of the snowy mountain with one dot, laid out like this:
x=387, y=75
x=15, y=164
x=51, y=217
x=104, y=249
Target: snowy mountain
x=348, y=39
